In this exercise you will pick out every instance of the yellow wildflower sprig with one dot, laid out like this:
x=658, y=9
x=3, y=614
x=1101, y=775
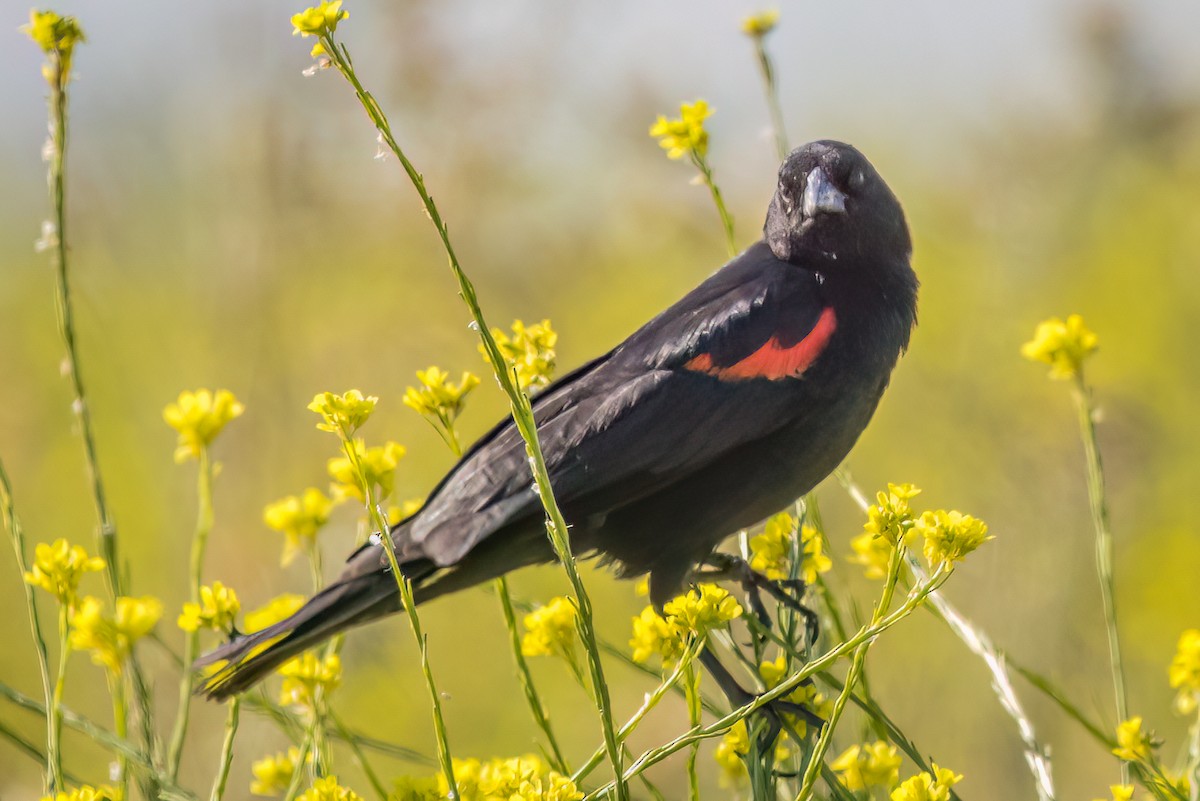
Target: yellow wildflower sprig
x=862, y=767
x=529, y=353
x=440, y=401
x=300, y=518
x=1065, y=345
x=687, y=136
x=757, y=26
x=522, y=414
x=58, y=568
x=86, y=792
x=1184, y=672
x=217, y=610
x=927, y=786
x=689, y=616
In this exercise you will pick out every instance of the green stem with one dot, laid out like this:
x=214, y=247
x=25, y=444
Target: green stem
x=706, y=174
x=767, y=70
x=116, y=686
x=231, y=727
x=534, y=700
x=691, y=685
x=520, y=408
x=1104, y=541
x=17, y=534
x=310, y=735
x=204, y=524
x=54, y=745
x=379, y=521
x=715, y=729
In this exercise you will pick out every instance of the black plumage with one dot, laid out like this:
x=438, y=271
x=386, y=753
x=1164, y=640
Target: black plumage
x=723, y=409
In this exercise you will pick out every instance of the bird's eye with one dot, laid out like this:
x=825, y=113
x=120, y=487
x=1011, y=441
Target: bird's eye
x=858, y=179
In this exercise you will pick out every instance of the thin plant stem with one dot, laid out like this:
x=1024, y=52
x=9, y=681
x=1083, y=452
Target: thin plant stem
x=17, y=535
x=979, y=643
x=379, y=521
x=359, y=756
x=816, y=760
x=691, y=685
x=771, y=88
x=532, y=698
x=54, y=745
x=231, y=727
x=294, y=785
x=116, y=687
x=916, y=598
x=520, y=408
x=204, y=525
x=32, y=750
x=706, y=175
x=1104, y=539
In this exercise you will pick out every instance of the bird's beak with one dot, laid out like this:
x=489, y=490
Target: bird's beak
x=821, y=196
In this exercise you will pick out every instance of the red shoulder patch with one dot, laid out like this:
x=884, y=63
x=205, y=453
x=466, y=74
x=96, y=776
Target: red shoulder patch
x=772, y=360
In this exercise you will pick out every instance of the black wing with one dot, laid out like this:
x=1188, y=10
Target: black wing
x=635, y=420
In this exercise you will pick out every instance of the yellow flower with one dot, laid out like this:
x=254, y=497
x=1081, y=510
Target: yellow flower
x=199, y=417
x=652, y=634
x=402, y=511
x=771, y=551
x=319, y=20
x=86, y=793
x=438, y=398
x=57, y=36
x=702, y=609
x=275, y=610
x=550, y=630
x=873, y=553
x=869, y=765
x=217, y=610
x=684, y=136
x=1120, y=792
x=342, y=414
x=1133, y=744
x=926, y=787
x=328, y=789
x=805, y=695
x=730, y=751
x=273, y=774
x=760, y=24
x=306, y=675
x=1062, y=345
x=1184, y=672
x=530, y=352
x=299, y=518
x=379, y=465
x=58, y=568
x=891, y=517
x=950, y=536
x=110, y=639
x=525, y=778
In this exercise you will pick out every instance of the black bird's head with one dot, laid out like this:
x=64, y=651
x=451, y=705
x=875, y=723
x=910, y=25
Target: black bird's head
x=831, y=202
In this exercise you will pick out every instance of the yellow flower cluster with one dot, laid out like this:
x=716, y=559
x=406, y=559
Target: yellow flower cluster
x=217, y=610
x=1184, y=672
x=529, y=351
x=319, y=20
x=299, y=518
x=1120, y=792
x=328, y=789
x=438, y=398
x=275, y=610
x=307, y=675
x=57, y=36
x=731, y=752
x=527, y=778
x=550, y=630
x=342, y=414
x=771, y=551
x=110, y=639
x=199, y=417
x=378, y=466
x=760, y=24
x=950, y=536
x=861, y=767
x=86, y=793
x=59, y=567
x=698, y=612
x=1133, y=743
x=805, y=695
x=273, y=774
x=927, y=787
x=1064, y=345
x=686, y=135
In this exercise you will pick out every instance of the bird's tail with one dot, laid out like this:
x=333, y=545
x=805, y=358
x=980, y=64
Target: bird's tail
x=250, y=658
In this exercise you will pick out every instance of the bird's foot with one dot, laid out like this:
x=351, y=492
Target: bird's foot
x=788, y=592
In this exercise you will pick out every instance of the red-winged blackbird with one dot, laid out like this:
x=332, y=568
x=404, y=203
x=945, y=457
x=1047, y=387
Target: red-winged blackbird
x=720, y=411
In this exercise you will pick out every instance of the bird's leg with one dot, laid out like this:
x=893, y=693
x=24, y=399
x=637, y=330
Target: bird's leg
x=739, y=696
x=729, y=567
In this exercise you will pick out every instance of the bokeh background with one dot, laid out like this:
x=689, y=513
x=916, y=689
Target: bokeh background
x=231, y=228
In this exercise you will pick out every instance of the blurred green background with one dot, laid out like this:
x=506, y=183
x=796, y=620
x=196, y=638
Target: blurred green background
x=230, y=228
